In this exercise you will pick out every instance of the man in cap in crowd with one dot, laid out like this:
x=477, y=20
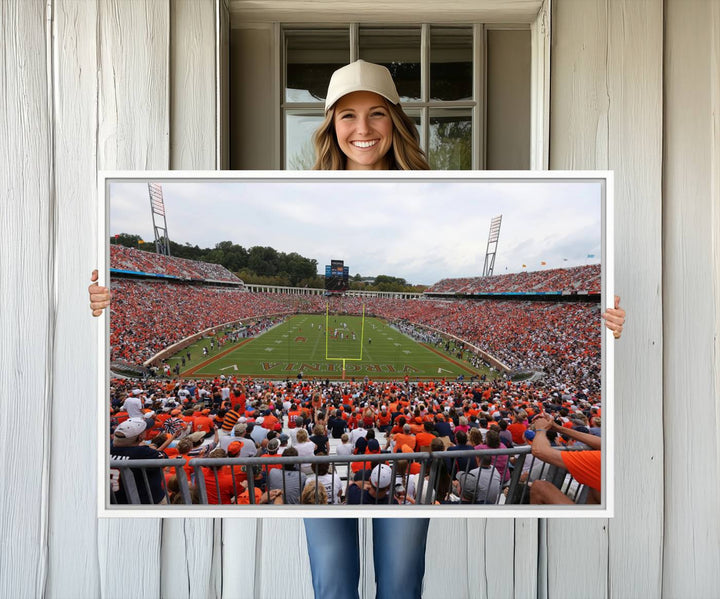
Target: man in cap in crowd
x=127, y=444
x=199, y=448
x=375, y=490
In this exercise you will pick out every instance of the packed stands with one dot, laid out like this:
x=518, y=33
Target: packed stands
x=138, y=261
x=579, y=279
x=444, y=415
x=561, y=339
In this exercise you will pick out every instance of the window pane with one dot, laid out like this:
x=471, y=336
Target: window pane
x=399, y=51
x=299, y=150
x=508, y=100
x=450, y=145
x=311, y=58
x=415, y=117
x=451, y=56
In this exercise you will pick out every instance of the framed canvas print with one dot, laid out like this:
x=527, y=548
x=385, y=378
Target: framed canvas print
x=336, y=344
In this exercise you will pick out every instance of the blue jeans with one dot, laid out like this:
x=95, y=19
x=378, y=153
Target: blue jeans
x=398, y=553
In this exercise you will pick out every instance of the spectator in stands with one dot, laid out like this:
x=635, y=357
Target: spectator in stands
x=337, y=425
x=443, y=428
x=288, y=479
x=257, y=432
x=356, y=433
x=133, y=405
x=584, y=466
x=404, y=439
x=345, y=447
x=304, y=447
x=461, y=463
x=518, y=427
x=479, y=485
x=377, y=489
x=314, y=494
x=127, y=444
x=500, y=462
x=320, y=439
x=505, y=434
x=325, y=477
x=219, y=477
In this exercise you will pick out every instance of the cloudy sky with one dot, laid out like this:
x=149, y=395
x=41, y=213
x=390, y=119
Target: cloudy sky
x=422, y=231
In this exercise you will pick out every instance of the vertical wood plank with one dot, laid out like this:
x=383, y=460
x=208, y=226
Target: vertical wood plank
x=280, y=573
x=578, y=93
x=635, y=87
x=73, y=566
x=192, y=85
x=490, y=556
x=607, y=113
x=239, y=558
x=134, y=86
x=133, y=134
x=578, y=140
x=691, y=198
x=26, y=301
x=447, y=551
x=190, y=566
x=526, y=558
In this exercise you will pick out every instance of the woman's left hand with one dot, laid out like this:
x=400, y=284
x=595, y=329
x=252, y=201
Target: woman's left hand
x=615, y=318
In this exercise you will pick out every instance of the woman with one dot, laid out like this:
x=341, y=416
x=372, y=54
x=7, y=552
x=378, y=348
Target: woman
x=320, y=439
x=364, y=129
x=304, y=447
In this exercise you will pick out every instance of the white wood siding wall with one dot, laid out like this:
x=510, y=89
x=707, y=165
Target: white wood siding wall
x=132, y=85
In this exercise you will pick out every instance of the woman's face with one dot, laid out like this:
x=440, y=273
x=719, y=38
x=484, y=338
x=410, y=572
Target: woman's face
x=364, y=130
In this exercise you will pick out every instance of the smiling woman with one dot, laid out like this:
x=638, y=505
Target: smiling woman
x=364, y=130
x=365, y=127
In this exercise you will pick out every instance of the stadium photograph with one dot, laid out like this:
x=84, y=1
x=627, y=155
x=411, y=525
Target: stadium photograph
x=330, y=345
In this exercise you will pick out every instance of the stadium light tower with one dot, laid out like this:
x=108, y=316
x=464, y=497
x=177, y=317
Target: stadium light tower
x=157, y=208
x=491, y=250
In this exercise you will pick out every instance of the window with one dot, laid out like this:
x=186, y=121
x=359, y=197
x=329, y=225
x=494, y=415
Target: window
x=439, y=71
x=467, y=87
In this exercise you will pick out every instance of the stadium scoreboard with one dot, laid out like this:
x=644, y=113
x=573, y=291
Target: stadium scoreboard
x=336, y=276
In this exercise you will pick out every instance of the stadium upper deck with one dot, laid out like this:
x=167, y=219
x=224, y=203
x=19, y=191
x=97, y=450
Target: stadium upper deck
x=134, y=261
x=578, y=279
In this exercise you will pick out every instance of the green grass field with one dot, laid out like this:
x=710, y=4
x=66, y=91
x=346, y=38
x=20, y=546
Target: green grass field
x=302, y=343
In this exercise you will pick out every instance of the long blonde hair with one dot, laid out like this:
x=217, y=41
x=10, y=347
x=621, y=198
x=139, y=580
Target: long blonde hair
x=405, y=154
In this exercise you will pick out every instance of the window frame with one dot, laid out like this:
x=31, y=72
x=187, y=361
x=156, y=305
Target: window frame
x=270, y=13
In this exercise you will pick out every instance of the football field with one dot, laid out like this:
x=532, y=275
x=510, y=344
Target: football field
x=319, y=346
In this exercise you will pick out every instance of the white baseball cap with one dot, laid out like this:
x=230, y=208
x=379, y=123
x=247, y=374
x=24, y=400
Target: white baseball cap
x=361, y=76
x=381, y=476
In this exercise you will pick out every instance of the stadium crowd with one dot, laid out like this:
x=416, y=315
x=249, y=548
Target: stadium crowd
x=563, y=340
x=570, y=280
x=125, y=258
x=241, y=417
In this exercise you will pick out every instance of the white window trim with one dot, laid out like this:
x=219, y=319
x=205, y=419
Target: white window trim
x=540, y=89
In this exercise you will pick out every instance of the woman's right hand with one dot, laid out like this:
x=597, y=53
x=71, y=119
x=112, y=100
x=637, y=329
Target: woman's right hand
x=99, y=296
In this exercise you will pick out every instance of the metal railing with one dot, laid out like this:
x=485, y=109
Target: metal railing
x=433, y=485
